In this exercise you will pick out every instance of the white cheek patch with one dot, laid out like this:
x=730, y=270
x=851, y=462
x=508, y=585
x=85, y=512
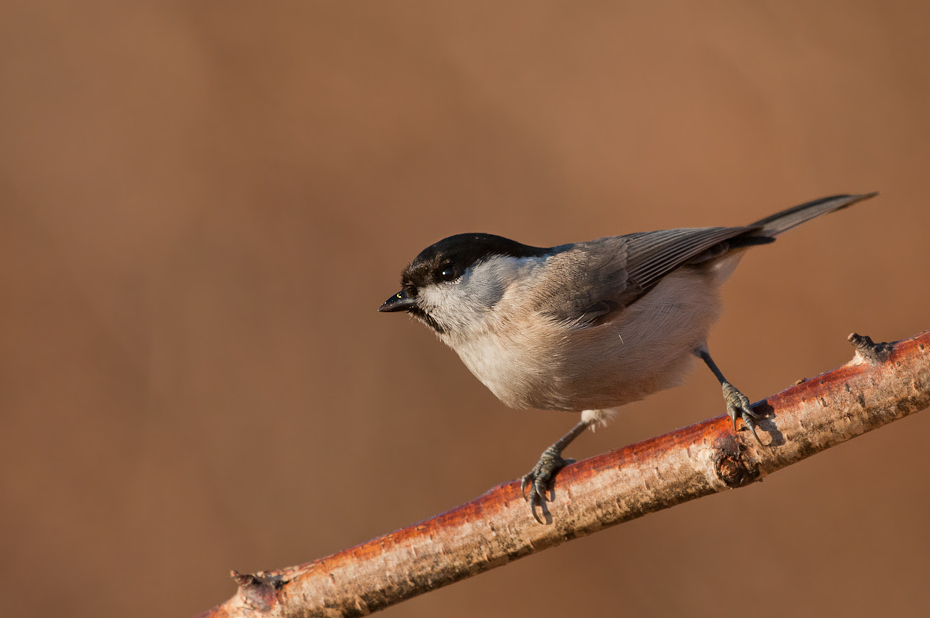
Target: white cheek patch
x=450, y=305
x=487, y=281
x=463, y=305
x=436, y=298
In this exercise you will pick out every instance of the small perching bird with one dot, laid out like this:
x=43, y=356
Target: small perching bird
x=586, y=327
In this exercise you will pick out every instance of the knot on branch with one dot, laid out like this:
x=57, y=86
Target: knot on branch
x=732, y=468
x=869, y=350
x=257, y=590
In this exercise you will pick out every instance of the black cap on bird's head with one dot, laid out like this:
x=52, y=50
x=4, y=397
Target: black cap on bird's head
x=447, y=261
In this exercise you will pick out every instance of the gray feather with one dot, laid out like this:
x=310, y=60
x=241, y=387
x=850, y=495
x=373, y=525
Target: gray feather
x=773, y=225
x=590, y=281
x=618, y=270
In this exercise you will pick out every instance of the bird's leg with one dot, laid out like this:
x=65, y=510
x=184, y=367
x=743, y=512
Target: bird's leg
x=737, y=403
x=540, y=478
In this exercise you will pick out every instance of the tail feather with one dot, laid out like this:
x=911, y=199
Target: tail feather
x=783, y=221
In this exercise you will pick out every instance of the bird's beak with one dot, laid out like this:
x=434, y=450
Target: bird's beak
x=399, y=302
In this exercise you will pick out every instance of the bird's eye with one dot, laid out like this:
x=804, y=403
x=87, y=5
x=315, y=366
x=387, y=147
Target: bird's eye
x=448, y=273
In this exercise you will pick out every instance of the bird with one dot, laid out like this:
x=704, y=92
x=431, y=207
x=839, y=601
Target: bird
x=589, y=326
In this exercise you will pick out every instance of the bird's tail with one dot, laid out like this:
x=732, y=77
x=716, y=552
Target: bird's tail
x=783, y=221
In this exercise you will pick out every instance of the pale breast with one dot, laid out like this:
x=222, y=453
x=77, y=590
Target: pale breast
x=565, y=366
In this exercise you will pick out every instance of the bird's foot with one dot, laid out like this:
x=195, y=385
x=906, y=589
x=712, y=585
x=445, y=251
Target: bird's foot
x=738, y=405
x=540, y=478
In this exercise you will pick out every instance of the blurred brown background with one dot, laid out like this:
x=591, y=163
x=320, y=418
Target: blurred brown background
x=202, y=205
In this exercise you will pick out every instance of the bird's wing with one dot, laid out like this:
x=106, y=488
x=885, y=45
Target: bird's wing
x=587, y=281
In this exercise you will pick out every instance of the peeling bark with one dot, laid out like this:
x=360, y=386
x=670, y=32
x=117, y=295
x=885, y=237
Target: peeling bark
x=883, y=383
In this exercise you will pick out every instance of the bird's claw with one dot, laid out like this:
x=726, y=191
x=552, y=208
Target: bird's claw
x=539, y=479
x=738, y=405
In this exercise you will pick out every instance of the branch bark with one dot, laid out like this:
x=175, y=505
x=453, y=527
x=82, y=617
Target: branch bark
x=881, y=384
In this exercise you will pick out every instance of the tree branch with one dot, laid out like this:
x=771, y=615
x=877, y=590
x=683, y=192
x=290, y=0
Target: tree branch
x=883, y=383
